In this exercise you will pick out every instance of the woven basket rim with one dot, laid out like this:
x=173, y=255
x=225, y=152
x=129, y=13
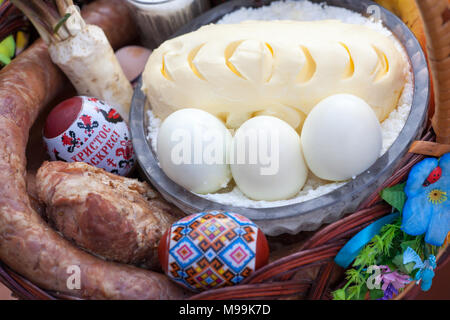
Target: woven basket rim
x=318, y=251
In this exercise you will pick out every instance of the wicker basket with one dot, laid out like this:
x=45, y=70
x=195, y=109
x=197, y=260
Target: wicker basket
x=304, y=267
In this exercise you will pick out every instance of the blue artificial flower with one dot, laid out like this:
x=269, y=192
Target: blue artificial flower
x=427, y=209
x=426, y=274
x=426, y=268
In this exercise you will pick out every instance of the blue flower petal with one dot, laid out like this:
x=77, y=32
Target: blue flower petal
x=418, y=174
x=416, y=215
x=423, y=212
x=443, y=184
x=439, y=224
x=444, y=163
x=427, y=279
x=411, y=256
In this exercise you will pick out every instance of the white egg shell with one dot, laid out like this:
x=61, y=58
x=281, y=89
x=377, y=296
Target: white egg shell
x=341, y=137
x=277, y=170
x=192, y=149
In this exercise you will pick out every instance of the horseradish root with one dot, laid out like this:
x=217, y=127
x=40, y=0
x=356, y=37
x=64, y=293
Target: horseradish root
x=81, y=50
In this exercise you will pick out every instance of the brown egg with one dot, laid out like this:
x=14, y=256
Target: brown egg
x=212, y=249
x=133, y=60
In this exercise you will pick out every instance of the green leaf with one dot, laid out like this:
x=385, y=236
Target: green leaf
x=355, y=276
x=357, y=292
x=61, y=22
x=7, y=49
x=395, y=196
x=378, y=244
x=376, y=294
x=389, y=233
x=409, y=267
x=406, y=244
x=362, y=293
x=339, y=294
x=4, y=60
x=417, y=244
x=398, y=260
x=404, y=268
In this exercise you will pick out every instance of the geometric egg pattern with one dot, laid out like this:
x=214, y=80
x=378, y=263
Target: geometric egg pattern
x=212, y=249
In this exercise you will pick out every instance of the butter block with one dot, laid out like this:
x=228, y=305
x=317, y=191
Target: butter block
x=277, y=68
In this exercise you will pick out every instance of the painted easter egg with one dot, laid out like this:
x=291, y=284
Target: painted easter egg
x=212, y=249
x=83, y=129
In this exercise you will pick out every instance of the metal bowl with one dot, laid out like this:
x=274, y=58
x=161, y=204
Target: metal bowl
x=311, y=214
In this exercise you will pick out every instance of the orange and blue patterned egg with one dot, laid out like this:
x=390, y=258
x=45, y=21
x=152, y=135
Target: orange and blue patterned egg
x=212, y=249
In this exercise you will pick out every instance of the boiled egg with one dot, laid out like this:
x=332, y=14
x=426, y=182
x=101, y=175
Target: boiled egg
x=192, y=149
x=341, y=137
x=266, y=159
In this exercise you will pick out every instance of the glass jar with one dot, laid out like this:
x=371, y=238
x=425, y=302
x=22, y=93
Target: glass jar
x=159, y=19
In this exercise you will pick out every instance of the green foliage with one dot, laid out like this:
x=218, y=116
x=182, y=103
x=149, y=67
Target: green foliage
x=404, y=268
x=380, y=245
x=339, y=294
x=355, y=276
x=385, y=248
x=376, y=294
x=61, y=22
x=376, y=252
x=7, y=50
x=395, y=196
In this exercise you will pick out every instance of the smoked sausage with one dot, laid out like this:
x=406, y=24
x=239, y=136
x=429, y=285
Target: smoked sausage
x=27, y=244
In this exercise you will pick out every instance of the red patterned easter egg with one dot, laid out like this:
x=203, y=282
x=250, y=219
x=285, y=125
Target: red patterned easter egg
x=212, y=249
x=88, y=130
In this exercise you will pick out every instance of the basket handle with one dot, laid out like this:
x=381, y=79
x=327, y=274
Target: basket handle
x=436, y=19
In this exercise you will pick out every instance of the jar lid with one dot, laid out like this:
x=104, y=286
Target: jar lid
x=150, y=2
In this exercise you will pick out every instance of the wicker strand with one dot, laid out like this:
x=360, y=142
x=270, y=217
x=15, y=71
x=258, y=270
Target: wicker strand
x=436, y=17
x=295, y=261
x=321, y=286
x=273, y=290
x=21, y=287
x=335, y=231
